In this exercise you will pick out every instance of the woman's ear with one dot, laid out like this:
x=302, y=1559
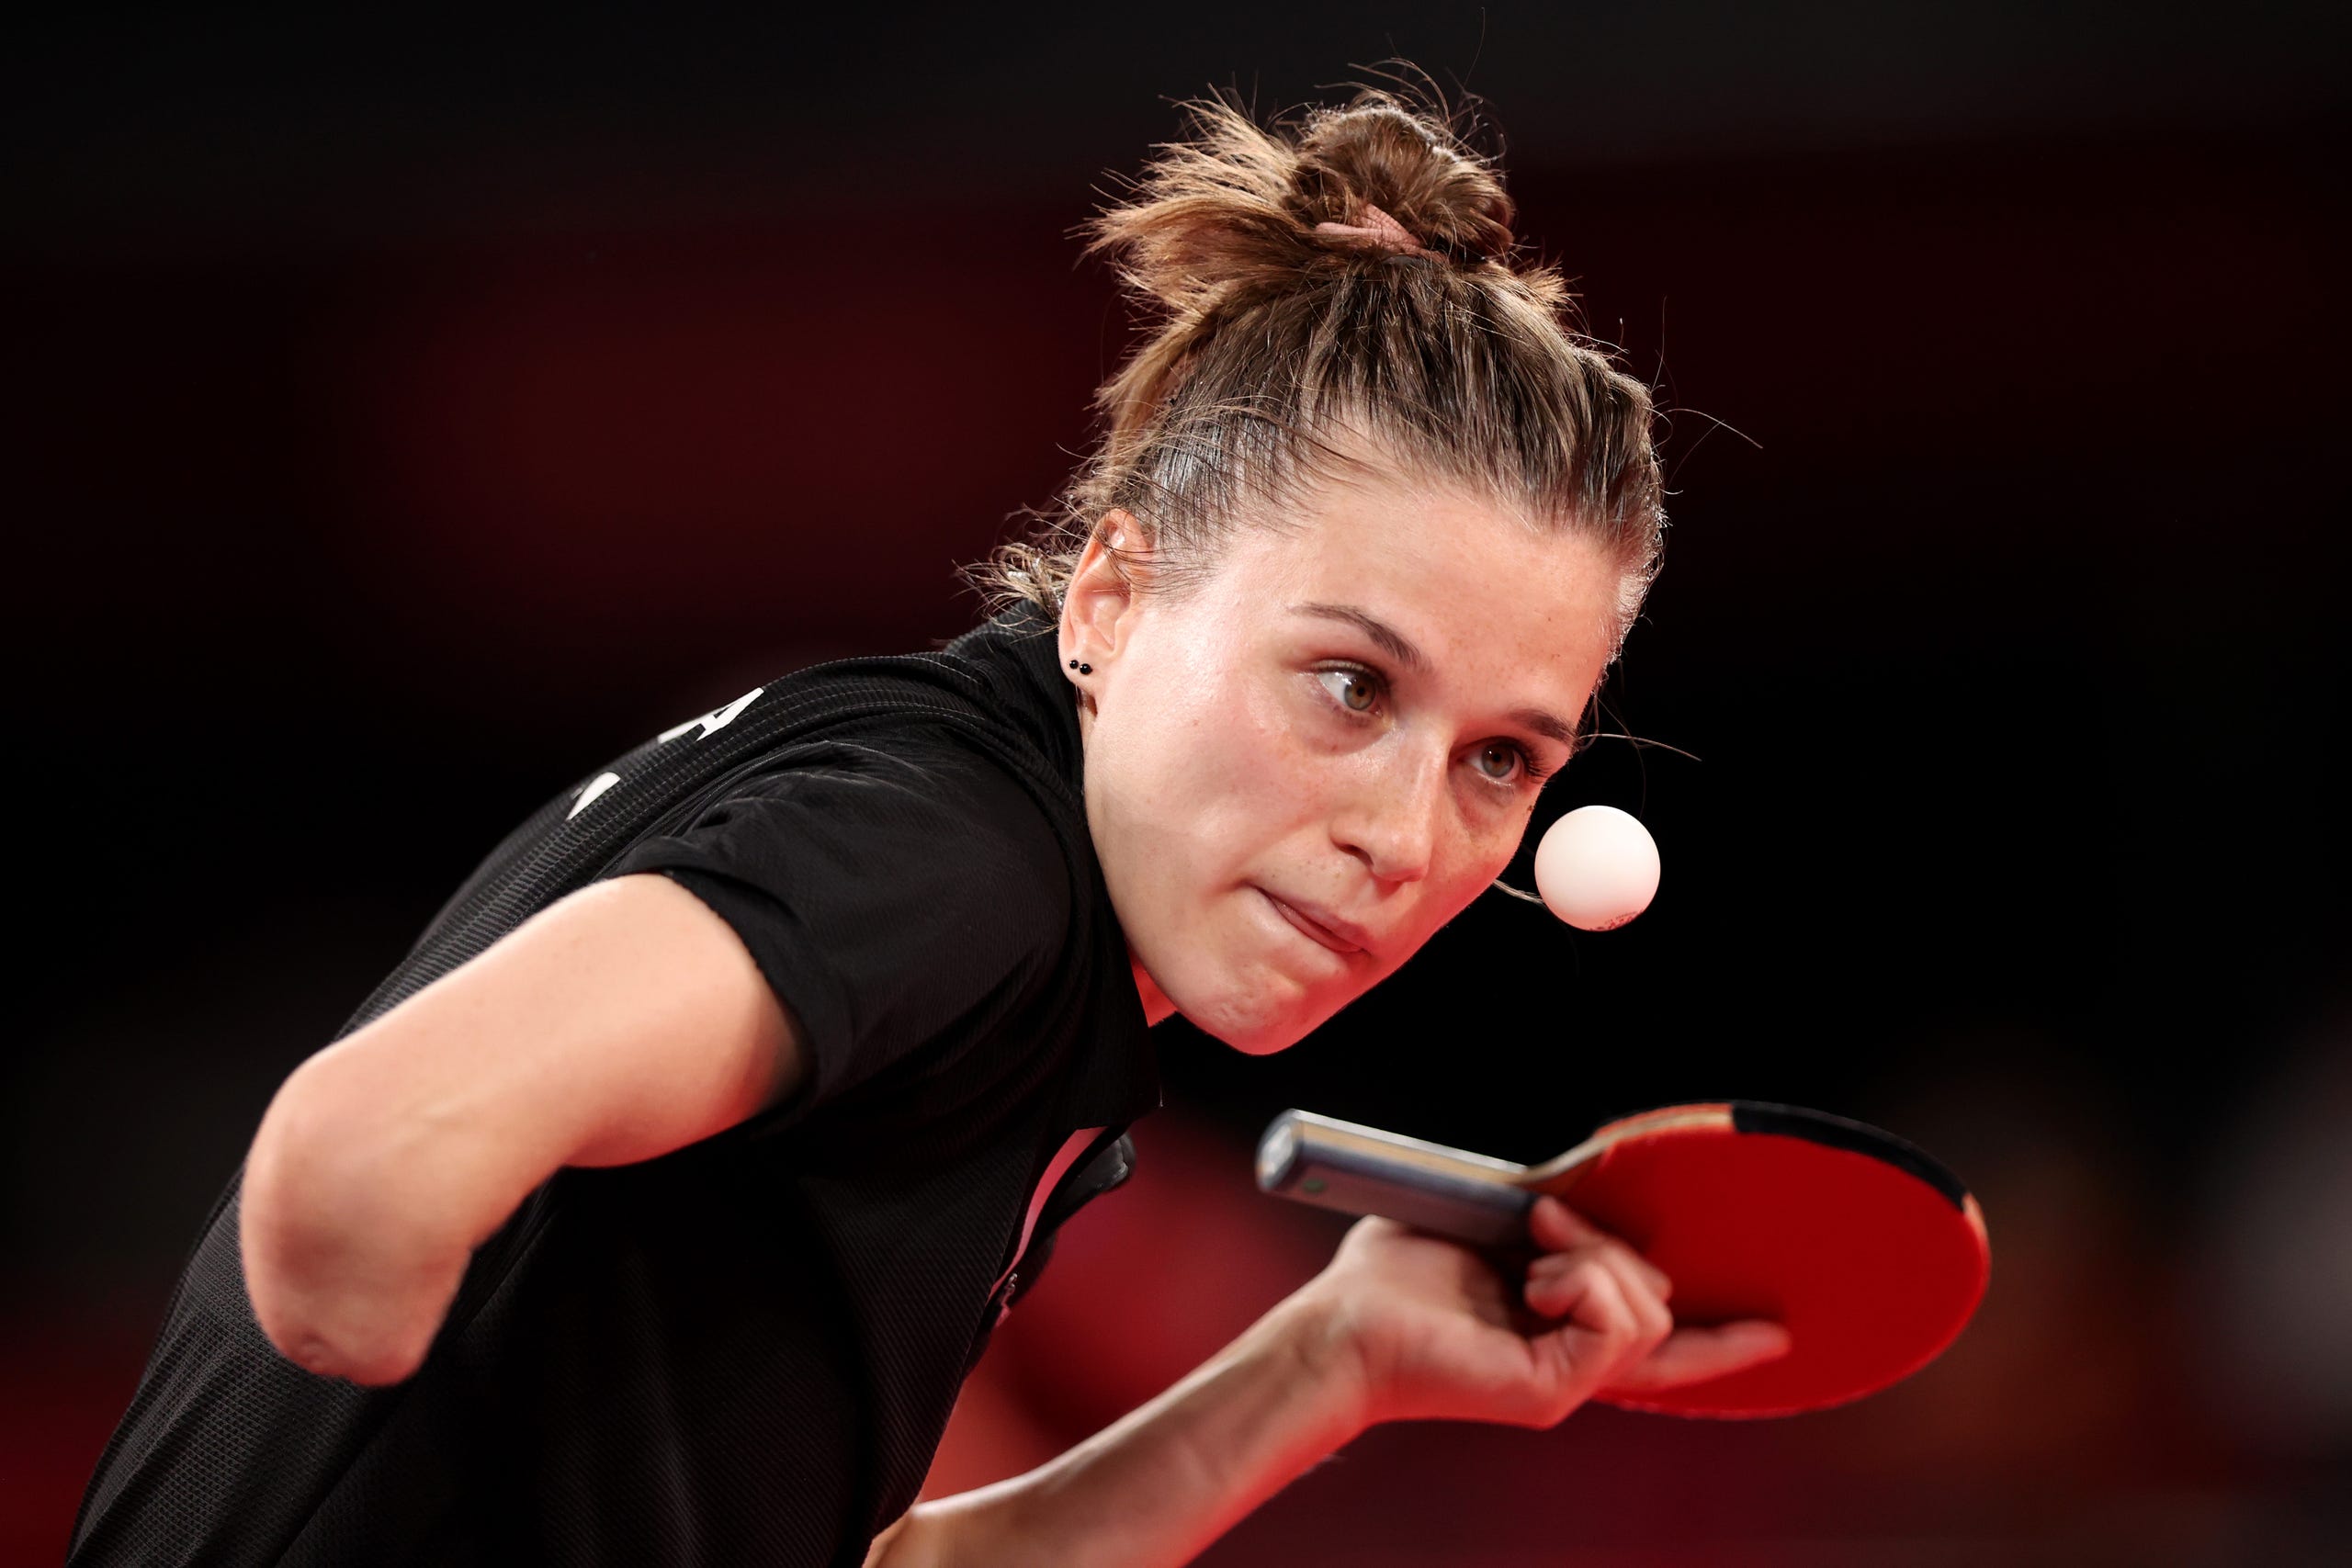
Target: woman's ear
x=1104, y=590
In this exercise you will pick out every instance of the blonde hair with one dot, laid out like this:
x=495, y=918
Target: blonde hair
x=1451, y=356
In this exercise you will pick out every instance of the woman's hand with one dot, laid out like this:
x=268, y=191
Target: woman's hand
x=1433, y=1330
x=1401, y=1324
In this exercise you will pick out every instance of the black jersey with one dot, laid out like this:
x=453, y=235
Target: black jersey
x=743, y=1351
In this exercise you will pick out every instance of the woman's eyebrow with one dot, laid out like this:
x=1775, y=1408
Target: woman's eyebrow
x=1546, y=725
x=1400, y=648
x=1392, y=642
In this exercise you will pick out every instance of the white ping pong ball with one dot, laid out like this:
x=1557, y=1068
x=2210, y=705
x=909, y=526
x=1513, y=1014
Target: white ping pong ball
x=1597, y=868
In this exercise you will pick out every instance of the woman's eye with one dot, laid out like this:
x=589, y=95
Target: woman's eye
x=1354, y=690
x=1498, y=760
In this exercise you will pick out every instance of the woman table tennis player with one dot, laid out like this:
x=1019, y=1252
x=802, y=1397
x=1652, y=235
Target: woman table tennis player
x=655, y=1208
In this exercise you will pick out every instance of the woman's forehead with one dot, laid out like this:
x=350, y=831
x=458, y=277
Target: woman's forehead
x=1445, y=570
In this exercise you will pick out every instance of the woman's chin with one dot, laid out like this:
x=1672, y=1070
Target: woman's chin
x=1254, y=1003
x=1250, y=1026
x=1260, y=1045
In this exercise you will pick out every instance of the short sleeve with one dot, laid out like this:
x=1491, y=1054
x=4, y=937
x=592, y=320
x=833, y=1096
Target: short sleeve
x=894, y=900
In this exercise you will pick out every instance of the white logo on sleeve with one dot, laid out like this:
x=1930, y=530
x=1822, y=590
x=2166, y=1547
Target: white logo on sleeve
x=716, y=720
x=589, y=790
x=711, y=723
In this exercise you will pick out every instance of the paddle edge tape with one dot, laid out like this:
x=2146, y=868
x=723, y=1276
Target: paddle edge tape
x=1557, y=1175
x=1857, y=1137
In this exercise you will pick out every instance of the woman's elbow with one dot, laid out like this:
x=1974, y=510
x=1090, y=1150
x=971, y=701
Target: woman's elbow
x=348, y=1270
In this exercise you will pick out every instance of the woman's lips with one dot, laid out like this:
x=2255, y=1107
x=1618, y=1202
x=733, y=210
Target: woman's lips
x=1320, y=933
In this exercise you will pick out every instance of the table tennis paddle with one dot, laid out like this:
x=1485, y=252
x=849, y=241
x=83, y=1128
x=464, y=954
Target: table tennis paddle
x=1871, y=1254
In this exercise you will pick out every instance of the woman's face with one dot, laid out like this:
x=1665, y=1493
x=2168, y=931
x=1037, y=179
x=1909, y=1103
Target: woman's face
x=1302, y=767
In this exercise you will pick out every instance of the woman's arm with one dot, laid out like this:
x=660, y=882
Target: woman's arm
x=1166, y=1479
x=617, y=1024
x=1402, y=1325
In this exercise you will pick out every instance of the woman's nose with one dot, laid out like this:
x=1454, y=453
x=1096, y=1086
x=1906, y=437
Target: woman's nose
x=1392, y=823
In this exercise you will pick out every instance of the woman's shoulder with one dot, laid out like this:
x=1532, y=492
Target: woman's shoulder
x=989, y=700
x=926, y=801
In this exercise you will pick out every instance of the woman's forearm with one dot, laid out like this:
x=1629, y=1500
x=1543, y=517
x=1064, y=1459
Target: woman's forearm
x=369, y=1182
x=358, y=1217
x=622, y=1022
x=1163, y=1482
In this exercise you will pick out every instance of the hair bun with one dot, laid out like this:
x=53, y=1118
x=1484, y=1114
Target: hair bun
x=1412, y=165
x=1228, y=212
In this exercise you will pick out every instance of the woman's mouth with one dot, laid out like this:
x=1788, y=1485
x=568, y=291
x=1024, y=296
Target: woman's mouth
x=1310, y=927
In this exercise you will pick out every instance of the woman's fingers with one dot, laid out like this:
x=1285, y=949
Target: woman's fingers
x=1616, y=1318
x=1583, y=1288
x=1694, y=1355
x=1614, y=1321
x=1619, y=1297
x=1648, y=1299
x=1550, y=1290
x=1558, y=1229
x=1650, y=1351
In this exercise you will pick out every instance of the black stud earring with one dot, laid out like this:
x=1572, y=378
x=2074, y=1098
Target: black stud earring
x=1073, y=663
x=1086, y=669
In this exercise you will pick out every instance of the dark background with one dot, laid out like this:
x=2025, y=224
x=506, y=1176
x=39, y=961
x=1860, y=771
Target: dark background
x=401, y=420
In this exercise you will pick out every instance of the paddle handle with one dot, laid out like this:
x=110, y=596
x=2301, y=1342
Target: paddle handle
x=1365, y=1170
